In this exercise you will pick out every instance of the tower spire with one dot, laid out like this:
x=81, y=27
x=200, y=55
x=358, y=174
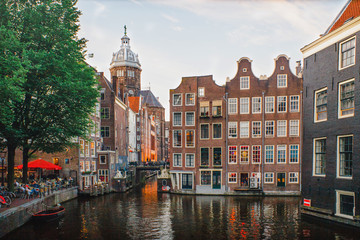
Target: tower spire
x=125, y=29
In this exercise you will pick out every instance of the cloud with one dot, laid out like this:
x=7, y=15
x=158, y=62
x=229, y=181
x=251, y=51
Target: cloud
x=170, y=18
x=177, y=28
x=99, y=9
x=137, y=2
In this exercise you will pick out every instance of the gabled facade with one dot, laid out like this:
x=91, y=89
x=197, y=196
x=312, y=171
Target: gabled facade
x=331, y=166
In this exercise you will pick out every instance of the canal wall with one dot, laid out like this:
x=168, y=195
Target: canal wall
x=15, y=217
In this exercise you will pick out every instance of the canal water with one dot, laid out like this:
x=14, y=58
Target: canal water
x=145, y=214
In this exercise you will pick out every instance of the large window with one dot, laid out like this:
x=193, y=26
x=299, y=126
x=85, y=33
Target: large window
x=177, y=138
x=244, y=105
x=269, y=154
x=177, y=100
x=204, y=156
x=216, y=108
x=232, y=177
x=256, y=154
x=281, y=153
x=269, y=128
x=105, y=113
x=294, y=128
x=256, y=105
x=190, y=160
x=346, y=99
x=244, y=83
x=294, y=103
x=190, y=118
x=347, y=53
x=190, y=138
x=345, y=203
x=293, y=177
x=244, y=154
x=105, y=132
x=217, y=130
x=319, y=162
x=177, y=119
x=269, y=104
x=233, y=106
x=177, y=160
x=321, y=105
x=204, y=131
x=205, y=178
x=256, y=129
x=294, y=153
x=281, y=128
x=232, y=154
x=190, y=99
x=282, y=80
x=204, y=109
x=232, y=129
x=217, y=156
x=281, y=103
x=244, y=129
x=187, y=181
x=269, y=177
x=345, y=158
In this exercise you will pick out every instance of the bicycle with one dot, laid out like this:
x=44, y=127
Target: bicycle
x=5, y=200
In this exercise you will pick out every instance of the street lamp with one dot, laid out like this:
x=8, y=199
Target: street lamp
x=2, y=158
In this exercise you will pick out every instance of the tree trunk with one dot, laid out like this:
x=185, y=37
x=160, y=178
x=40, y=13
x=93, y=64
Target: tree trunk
x=25, y=164
x=11, y=164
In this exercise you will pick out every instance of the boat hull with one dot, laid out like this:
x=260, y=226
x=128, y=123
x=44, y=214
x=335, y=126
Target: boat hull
x=49, y=215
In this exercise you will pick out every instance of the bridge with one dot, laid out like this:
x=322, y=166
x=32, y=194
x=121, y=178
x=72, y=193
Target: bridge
x=150, y=168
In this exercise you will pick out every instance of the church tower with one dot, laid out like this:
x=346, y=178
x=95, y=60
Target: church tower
x=125, y=70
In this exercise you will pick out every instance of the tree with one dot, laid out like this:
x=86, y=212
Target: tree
x=47, y=91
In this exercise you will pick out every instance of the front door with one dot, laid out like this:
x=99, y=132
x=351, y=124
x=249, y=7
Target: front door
x=216, y=180
x=244, y=179
x=281, y=179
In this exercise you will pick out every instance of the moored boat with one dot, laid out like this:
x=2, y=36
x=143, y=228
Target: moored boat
x=49, y=214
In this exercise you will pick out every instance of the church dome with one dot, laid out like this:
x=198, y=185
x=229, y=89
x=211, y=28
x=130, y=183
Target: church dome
x=125, y=57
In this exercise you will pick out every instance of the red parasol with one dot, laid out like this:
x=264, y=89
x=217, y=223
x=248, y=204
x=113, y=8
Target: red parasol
x=40, y=163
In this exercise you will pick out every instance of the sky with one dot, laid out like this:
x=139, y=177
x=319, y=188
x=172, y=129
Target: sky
x=181, y=38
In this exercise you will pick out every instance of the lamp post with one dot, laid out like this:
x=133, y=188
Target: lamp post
x=2, y=158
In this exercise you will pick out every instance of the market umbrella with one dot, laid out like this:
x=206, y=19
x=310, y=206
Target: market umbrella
x=40, y=163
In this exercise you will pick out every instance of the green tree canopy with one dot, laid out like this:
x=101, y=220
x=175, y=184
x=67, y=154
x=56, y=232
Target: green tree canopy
x=47, y=91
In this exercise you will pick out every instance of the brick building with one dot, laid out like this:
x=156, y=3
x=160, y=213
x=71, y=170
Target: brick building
x=331, y=170
x=248, y=132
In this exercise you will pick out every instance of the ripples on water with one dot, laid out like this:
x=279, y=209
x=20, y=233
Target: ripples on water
x=145, y=214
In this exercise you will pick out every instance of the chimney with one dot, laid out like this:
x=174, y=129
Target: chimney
x=298, y=67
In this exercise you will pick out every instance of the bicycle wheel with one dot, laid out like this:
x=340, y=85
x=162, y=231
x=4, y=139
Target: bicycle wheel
x=7, y=200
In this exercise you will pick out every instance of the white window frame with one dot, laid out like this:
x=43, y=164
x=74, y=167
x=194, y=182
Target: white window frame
x=248, y=128
x=279, y=78
x=244, y=80
x=339, y=99
x=279, y=127
x=201, y=92
x=213, y=132
x=297, y=155
x=294, y=99
x=174, y=160
x=233, y=104
x=338, y=157
x=278, y=104
x=314, y=158
x=186, y=163
x=252, y=154
x=252, y=129
x=269, y=101
x=194, y=139
x=315, y=104
x=177, y=125
x=208, y=131
x=236, y=155
x=268, y=177
x=348, y=193
x=173, y=99
x=273, y=154
x=273, y=126
x=294, y=128
x=291, y=178
x=229, y=176
x=173, y=138
x=340, y=53
x=254, y=103
x=233, y=126
x=246, y=103
x=277, y=153
x=186, y=123
x=248, y=152
x=191, y=103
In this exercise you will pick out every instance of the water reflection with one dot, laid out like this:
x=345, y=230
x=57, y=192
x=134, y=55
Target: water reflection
x=145, y=214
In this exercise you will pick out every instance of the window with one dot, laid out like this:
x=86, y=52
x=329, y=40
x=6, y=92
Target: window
x=269, y=128
x=321, y=105
x=244, y=83
x=346, y=99
x=293, y=177
x=204, y=111
x=269, y=154
x=177, y=138
x=190, y=99
x=232, y=154
x=177, y=162
x=244, y=154
x=205, y=178
x=67, y=161
x=232, y=177
x=233, y=106
x=282, y=80
x=190, y=138
x=345, y=203
x=187, y=180
x=130, y=73
x=190, y=160
x=103, y=175
x=269, y=104
x=217, y=156
x=256, y=129
x=294, y=153
x=294, y=127
x=81, y=148
x=120, y=73
x=82, y=166
x=294, y=103
x=204, y=131
x=281, y=128
x=344, y=158
x=269, y=177
x=347, y=53
x=105, y=132
x=216, y=108
x=102, y=159
x=319, y=161
x=177, y=100
x=102, y=94
x=281, y=154
x=201, y=92
x=256, y=154
x=92, y=149
x=177, y=119
x=256, y=105
x=204, y=156
x=232, y=129
x=281, y=103
x=244, y=129
x=244, y=105
x=105, y=113
x=190, y=118
x=217, y=130
x=87, y=166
